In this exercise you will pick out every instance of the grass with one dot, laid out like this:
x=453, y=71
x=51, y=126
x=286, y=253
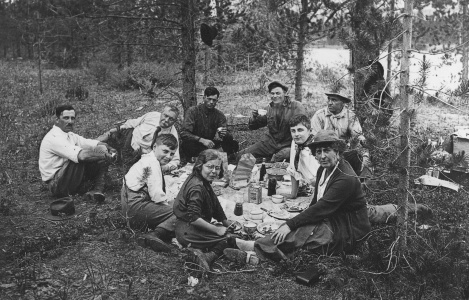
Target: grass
x=96, y=257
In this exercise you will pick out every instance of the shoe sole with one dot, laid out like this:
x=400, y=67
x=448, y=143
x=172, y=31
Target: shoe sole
x=154, y=244
x=194, y=257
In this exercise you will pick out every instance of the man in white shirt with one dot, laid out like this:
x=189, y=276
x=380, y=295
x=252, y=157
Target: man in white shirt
x=143, y=197
x=137, y=134
x=66, y=159
x=339, y=118
x=303, y=164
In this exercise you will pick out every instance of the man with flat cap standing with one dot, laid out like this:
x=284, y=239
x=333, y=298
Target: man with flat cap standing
x=339, y=118
x=277, y=141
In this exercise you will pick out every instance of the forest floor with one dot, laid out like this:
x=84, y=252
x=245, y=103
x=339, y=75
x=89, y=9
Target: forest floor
x=96, y=256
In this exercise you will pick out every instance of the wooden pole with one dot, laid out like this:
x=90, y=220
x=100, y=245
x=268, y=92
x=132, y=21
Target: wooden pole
x=389, y=58
x=463, y=40
x=404, y=130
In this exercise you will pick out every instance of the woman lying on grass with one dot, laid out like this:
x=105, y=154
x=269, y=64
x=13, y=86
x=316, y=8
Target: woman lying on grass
x=195, y=206
x=336, y=218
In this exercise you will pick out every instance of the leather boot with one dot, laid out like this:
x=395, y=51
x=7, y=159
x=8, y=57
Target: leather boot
x=97, y=194
x=153, y=241
x=200, y=260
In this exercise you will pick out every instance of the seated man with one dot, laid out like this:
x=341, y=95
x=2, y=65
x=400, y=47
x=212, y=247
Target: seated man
x=143, y=196
x=279, y=112
x=303, y=164
x=345, y=123
x=137, y=134
x=204, y=127
x=67, y=159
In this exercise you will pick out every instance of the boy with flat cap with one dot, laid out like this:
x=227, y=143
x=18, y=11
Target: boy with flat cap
x=277, y=141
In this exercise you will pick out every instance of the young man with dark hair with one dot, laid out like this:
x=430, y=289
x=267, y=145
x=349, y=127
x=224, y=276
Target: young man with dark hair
x=66, y=159
x=277, y=141
x=136, y=134
x=204, y=127
x=143, y=196
x=303, y=164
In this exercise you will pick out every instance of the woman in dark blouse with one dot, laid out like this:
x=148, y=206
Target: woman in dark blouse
x=195, y=206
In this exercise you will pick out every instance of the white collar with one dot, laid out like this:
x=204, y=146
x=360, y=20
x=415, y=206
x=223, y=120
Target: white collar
x=59, y=132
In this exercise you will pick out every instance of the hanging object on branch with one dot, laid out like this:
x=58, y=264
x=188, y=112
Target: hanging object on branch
x=208, y=34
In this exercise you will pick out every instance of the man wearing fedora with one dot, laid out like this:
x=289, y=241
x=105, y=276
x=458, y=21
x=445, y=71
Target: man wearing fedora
x=339, y=118
x=136, y=134
x=66, y=159
x=277, y=141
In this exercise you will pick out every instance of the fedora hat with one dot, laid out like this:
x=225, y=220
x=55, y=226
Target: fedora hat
x=61, y=209
x=275, y=84
x=325, y=137
x=342, y=98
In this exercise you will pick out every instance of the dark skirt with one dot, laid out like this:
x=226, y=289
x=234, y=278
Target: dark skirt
x=190, y=236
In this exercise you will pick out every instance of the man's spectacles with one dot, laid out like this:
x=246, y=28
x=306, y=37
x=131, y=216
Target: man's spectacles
x=170, y=119
x=212, y=167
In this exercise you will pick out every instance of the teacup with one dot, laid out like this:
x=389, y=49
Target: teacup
x=250, y=227
x=277, y=199
x=256, y=214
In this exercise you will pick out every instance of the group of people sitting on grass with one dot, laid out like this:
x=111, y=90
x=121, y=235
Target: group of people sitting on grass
x=327, y=152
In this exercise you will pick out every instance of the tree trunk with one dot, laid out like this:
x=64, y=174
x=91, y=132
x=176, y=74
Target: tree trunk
x=389, y=57
x=188, y=12
x=404, y=130
x=462, y=40
x=220, y=34
x=207, y=64
x=300, y=54
x=39, y=65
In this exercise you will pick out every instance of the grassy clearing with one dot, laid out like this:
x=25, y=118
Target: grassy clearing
x=97, y=258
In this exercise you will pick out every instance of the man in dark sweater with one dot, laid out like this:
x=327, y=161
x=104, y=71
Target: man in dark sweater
x=276, y=143
x=204, y=127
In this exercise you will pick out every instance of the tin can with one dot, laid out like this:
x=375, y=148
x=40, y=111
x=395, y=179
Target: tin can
x=255, y=194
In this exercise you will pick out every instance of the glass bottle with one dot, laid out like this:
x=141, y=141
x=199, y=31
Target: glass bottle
x=262, y=171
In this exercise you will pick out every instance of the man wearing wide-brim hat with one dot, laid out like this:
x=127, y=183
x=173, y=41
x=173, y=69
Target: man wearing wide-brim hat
x=339, y=118
x=277, y=141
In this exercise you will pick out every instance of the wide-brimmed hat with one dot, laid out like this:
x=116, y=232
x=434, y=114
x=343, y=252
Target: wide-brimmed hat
x=325, y=137
x=61, y=209
x=275, y=84
x=343, y=98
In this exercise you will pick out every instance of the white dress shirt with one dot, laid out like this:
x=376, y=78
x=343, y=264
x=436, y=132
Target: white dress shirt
x=144, y=128
x=307, y=165
x=58, y=147
x=147, y=172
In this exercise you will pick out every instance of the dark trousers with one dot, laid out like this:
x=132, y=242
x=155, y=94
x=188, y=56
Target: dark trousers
x=145, y=214
x=192, y=148
x=355, y=159
x=70, y=178
x=268, y=148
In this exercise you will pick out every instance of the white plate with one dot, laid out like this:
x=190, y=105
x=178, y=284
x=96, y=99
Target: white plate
x=247, y=217
x=281, y=215
x=268, y=227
